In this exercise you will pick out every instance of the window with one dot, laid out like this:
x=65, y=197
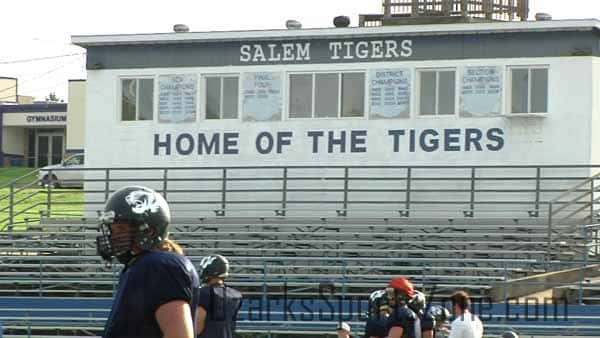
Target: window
x=222, y=97
x=529, y=90
x=327, y=95
x=437, y=92
x=353, y=94
x=74, y=160
x=137, y=97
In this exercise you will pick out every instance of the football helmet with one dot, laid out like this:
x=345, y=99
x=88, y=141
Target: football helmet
x=403, y=285
x=213, y=266
x=418, y=301
x=399, y=291
x=147, y=214
x=439, y=313
x=378, y=302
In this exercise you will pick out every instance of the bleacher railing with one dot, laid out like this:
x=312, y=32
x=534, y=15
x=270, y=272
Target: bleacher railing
x=562, y=194
x=561, y=208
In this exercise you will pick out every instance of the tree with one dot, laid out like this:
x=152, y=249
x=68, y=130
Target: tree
x=53, y=98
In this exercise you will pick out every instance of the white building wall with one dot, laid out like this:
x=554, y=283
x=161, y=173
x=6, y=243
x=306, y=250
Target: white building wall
x=595, y=120
x=560, y=137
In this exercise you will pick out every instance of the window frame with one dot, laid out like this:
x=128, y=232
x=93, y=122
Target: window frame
x=339, y=74
x=417, y=91
x=204, y=97
x=509, y=89
x=137, y=78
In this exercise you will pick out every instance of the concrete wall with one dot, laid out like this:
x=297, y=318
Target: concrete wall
x=76, y=116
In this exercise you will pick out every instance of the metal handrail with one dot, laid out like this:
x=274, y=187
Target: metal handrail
x=552, y=212
x=342, y=180
x=575, y=188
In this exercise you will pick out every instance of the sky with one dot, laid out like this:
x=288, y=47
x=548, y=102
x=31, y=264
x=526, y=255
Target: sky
x=33, y=29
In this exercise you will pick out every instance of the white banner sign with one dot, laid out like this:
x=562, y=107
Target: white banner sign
x=481, y=91
x=177, y=98
x=262, y=97
x=34, y=119
x=390, y=93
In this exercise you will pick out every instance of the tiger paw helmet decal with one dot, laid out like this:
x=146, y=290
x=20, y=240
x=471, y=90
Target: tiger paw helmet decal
x=142, y=201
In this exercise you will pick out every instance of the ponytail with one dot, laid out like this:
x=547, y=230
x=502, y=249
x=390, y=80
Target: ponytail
x=170, y=246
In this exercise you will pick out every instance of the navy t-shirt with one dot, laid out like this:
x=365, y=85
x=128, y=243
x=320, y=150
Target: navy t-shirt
x=154, y=279
x=376, y=326
x=221, y=304
x=406, y=318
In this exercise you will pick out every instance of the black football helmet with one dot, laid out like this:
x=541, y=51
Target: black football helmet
x=144, y=210
x=418, y=301
x=378, y=302
x=439, y=313
x=213, y=266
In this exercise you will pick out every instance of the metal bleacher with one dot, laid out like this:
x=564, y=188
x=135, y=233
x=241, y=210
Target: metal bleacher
x=53, y=283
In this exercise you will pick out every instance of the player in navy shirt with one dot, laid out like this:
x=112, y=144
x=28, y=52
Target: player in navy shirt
x=407, y=319
x=379, y=313
x=219, y=304
x=157, y=294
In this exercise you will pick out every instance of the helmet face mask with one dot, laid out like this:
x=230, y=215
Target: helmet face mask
x=418, y=301
x=134, y=219
x=396, y=297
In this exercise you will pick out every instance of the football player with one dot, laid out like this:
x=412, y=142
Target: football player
x=379, y=312
x=157, y=293
x=219, y=304
x=441, y=315
x=407, y=319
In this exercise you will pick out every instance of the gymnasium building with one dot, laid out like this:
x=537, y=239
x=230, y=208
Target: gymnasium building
x=36, y=134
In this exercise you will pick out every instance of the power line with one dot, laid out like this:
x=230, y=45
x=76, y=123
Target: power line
x=45, y=88
x=37, y=77
x=39, y=59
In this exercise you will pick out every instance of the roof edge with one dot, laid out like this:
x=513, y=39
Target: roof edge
x=191, y=37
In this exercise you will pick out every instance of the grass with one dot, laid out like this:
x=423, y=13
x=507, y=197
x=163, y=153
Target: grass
x=9, y=174
x=30, y=200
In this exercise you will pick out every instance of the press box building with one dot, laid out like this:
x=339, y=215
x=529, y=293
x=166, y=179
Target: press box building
x=470, y=92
